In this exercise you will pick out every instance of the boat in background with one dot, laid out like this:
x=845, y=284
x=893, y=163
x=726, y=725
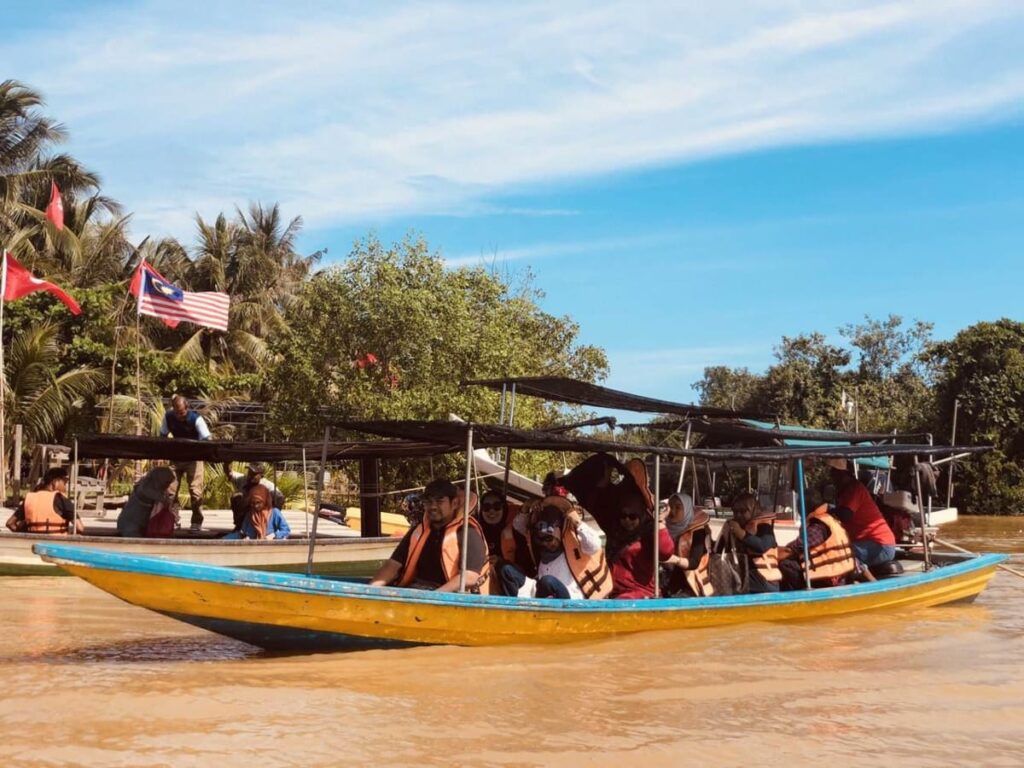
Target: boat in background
x=345, y=556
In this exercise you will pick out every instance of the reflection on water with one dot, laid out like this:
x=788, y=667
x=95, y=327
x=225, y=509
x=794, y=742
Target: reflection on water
x=127, y=687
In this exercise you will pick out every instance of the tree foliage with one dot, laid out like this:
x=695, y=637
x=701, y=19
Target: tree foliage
x=982, y=367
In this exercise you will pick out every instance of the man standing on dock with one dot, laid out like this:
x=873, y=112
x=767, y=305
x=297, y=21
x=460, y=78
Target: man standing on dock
x=183, y=423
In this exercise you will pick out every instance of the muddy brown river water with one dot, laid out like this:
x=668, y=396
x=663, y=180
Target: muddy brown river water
x=89, y=680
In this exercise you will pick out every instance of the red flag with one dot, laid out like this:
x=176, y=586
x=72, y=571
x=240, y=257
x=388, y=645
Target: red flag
x=136, y=283
x=55, y=210
x=19, y=282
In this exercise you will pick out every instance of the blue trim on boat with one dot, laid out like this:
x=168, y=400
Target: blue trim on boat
x=155, y=566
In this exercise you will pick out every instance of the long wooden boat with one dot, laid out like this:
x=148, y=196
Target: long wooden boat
x=289, y=612
x=350, y=556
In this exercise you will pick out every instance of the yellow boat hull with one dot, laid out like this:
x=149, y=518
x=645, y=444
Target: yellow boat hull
x=284, y=611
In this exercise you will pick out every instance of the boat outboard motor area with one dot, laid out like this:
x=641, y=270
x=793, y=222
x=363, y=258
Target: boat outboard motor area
x=888, y=570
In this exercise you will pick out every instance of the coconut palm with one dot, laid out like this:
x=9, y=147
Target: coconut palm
x=36, y=394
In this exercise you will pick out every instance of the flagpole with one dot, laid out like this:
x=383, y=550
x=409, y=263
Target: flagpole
x=3, y=383
x=138, y=358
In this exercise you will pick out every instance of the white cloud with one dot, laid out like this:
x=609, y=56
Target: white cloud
x=348, y=112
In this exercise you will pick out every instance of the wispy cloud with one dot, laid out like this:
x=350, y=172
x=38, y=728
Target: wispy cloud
x=355, y=111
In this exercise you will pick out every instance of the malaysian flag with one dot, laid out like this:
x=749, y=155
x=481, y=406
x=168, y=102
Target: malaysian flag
x=160, y=298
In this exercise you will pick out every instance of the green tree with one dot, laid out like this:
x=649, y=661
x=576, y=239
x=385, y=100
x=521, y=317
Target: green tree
x=427, y=328
x=983, y=368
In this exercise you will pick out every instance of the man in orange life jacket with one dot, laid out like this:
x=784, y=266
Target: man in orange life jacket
x=871, y=537
x=47, y=509
x=430, y=554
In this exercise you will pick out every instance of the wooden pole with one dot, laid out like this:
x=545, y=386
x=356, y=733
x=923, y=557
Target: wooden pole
x=952, y=441
x=920, y=510
x=803, y=522
x=958, y=548
x=74, y=486
x=305, y=490
x=657, y=523
x=465, y=508
x=138, y=365
x=319, y=498
x=16, y=464
x=682, y=466
x=3, y=383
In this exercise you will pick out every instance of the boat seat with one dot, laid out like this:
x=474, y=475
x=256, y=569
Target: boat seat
x=887, y=570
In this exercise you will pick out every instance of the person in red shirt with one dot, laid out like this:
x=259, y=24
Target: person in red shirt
x=633, y=565
x=871, y=537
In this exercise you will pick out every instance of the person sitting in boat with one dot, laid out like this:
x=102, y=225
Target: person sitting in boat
x=604, y=487
x=691, y=548
x=496, y=515
x=831, y=557
x=46, y=509
x=151, y=490
x=632, y=566
x=262, y=520
x=871, y=537
x=754, y=535
x=551, y=553
x=430, y=554
x=244, y=482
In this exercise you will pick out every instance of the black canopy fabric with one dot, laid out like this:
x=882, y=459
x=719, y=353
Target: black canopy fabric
x=104, y=446
x=454, y=435
x=564, y=390
x=735, y=431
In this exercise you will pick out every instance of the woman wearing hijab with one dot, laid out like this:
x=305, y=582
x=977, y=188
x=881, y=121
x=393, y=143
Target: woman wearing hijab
x=262, y=519
x=691, y=548
x=153, y=488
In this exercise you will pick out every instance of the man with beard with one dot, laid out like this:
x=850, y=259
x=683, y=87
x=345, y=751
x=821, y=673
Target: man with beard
x=430, y=554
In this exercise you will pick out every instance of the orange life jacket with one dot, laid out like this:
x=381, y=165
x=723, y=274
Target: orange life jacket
x=698, y=578
x=451, y=553
x=591, y=572
x=767, y=563
x=833, y=557
x=39, y=514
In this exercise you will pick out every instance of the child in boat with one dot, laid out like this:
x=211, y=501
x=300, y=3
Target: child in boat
x=563, y=558
x=262, y=520
x=752, y=531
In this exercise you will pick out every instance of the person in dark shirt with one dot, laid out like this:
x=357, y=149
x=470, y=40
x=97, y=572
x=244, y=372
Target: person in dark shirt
x=752, y=530
x=430, y=554
x=183, y=423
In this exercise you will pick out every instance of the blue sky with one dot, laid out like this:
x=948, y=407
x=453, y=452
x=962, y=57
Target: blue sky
x=689, y=183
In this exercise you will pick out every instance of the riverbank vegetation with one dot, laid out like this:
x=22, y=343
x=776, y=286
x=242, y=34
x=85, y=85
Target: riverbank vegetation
x=389, y=332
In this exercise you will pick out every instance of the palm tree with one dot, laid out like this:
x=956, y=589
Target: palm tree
x=37, y=395
x=253, y=260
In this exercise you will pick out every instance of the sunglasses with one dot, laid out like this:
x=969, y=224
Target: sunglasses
x=491, y=505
